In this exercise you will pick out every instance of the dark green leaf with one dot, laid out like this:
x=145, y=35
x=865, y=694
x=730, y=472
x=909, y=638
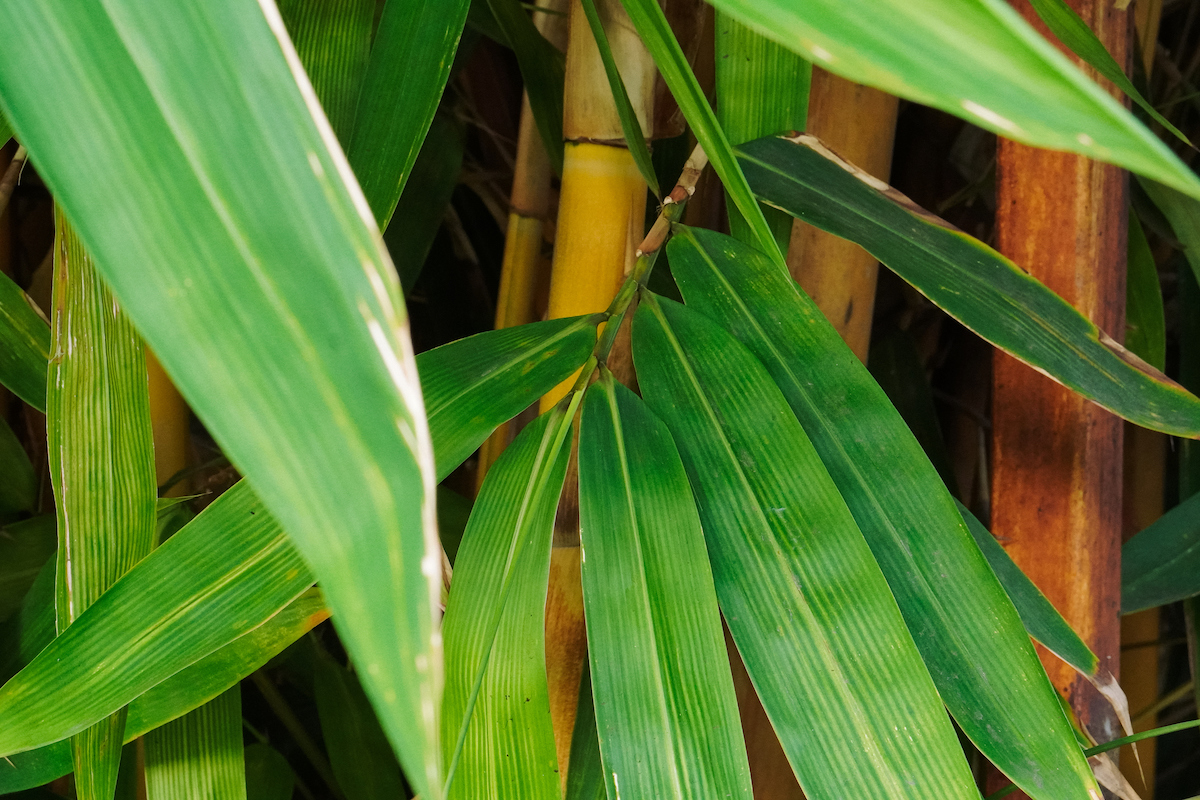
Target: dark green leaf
x=973, y=283
x=425, y=198
x=585, y=773
x=18, y=491
x=543, y=68
x=407, y=72
x=24, y=345
x=24, y=548
x=1145, y=320
x=1161, y=564
x=812, y=615
x=666, y=711
x=359, y=753
x=268, y=774
x=497, y=738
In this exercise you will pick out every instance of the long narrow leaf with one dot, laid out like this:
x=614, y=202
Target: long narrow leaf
x=268, y=774
x=101, y=449
x=1071, y=30
x=1145, y=318
x=473, y=385
x=200, y=755
x=1183, y=214
x=226, y=572
x=496, y=736
x=973, y=283
x=812, y=615
x=409, y=65
x=1161, y=564
x=18, y=492
x=24, y=345
x=652, y=25
x=762, y=89
x=230, y=217
x=24, y=548
x=665, y=705
x=898, y=501
x=177, y=695
x=974, y=58
x=333, y=41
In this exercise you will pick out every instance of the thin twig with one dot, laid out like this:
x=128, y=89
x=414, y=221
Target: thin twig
x=299, y=735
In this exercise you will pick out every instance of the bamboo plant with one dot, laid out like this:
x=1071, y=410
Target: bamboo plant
x=706, y=456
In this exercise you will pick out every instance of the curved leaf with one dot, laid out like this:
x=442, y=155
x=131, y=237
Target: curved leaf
x=1161, y=564
x=225, y=573
x=409, y=65
x=665, y=705
x=497, y=738
x=903, y=509
x=974, y=58
x=24, y=345
x=473, y=385
x=228, y=225
x=812, y=615
x=968, y=280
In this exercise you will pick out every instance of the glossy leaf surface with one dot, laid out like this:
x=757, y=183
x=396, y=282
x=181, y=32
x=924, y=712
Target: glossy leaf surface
x=974, y=58
x=665, y=706
x=971, y=282
x=902, y=507
x=496, y=736
x=812, y=615
x=231, y=218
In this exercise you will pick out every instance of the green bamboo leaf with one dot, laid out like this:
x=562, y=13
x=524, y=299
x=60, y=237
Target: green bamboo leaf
x=24, y=345
x=1161, y=564
x=229, y=216
x=585, y=772
x=1145, y=319
x=976, y=59
x=407, y=72
x=1183, y=215
x=909, y=519
x=24, y=548
x=426, y=196
x=543, y=69
x=359, y=754
x=268, y=774
x=652, y=26
x=200, y=755
x=333, y=40
x=496, y=735
x=666, y=711
x=634, y=138
x=18, y=492
x=762, y=89
x=23, y=635
x=222, y=575
x=101, y=450
x=980, y=288
x=473, y=385
x=895, y=364
x=812, y=615
x=184, y=691
x=1071, y=30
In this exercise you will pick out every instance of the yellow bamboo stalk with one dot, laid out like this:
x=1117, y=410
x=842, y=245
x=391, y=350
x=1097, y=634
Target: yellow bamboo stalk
x=1145, y=476
x=523, y=270
x=601, y=218
x=169, y=419
x=859, y=123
